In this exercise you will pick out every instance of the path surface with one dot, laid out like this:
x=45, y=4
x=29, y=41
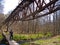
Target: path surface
x=12, y=42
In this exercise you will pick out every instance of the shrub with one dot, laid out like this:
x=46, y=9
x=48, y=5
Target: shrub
x=48, y=34
x=1, y=37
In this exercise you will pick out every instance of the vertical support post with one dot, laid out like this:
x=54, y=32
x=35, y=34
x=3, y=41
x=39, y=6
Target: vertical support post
x=28, y=27
x=22, y=28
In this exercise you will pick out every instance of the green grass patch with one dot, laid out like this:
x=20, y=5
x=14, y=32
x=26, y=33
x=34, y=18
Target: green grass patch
x=18, y=37
x=26, y=36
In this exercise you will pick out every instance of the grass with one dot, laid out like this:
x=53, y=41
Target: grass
x=26, y=36
x=18, y=37
x=25, y=44
x=51, y=41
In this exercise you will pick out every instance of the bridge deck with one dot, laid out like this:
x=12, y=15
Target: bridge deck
x=11, y=42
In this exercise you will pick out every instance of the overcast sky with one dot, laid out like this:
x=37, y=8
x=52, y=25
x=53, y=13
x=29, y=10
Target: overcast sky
x=9, y=5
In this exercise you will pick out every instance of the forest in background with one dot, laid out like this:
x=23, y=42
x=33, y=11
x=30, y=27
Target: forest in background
x=49, y=23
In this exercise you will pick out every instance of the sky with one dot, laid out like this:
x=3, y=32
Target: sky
x=1, y=6
x=9, y=5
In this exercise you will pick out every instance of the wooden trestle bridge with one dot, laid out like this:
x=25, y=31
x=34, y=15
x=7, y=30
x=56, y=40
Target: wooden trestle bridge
x=30, y=10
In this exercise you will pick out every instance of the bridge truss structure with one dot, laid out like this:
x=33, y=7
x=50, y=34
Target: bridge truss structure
x=30, y=10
